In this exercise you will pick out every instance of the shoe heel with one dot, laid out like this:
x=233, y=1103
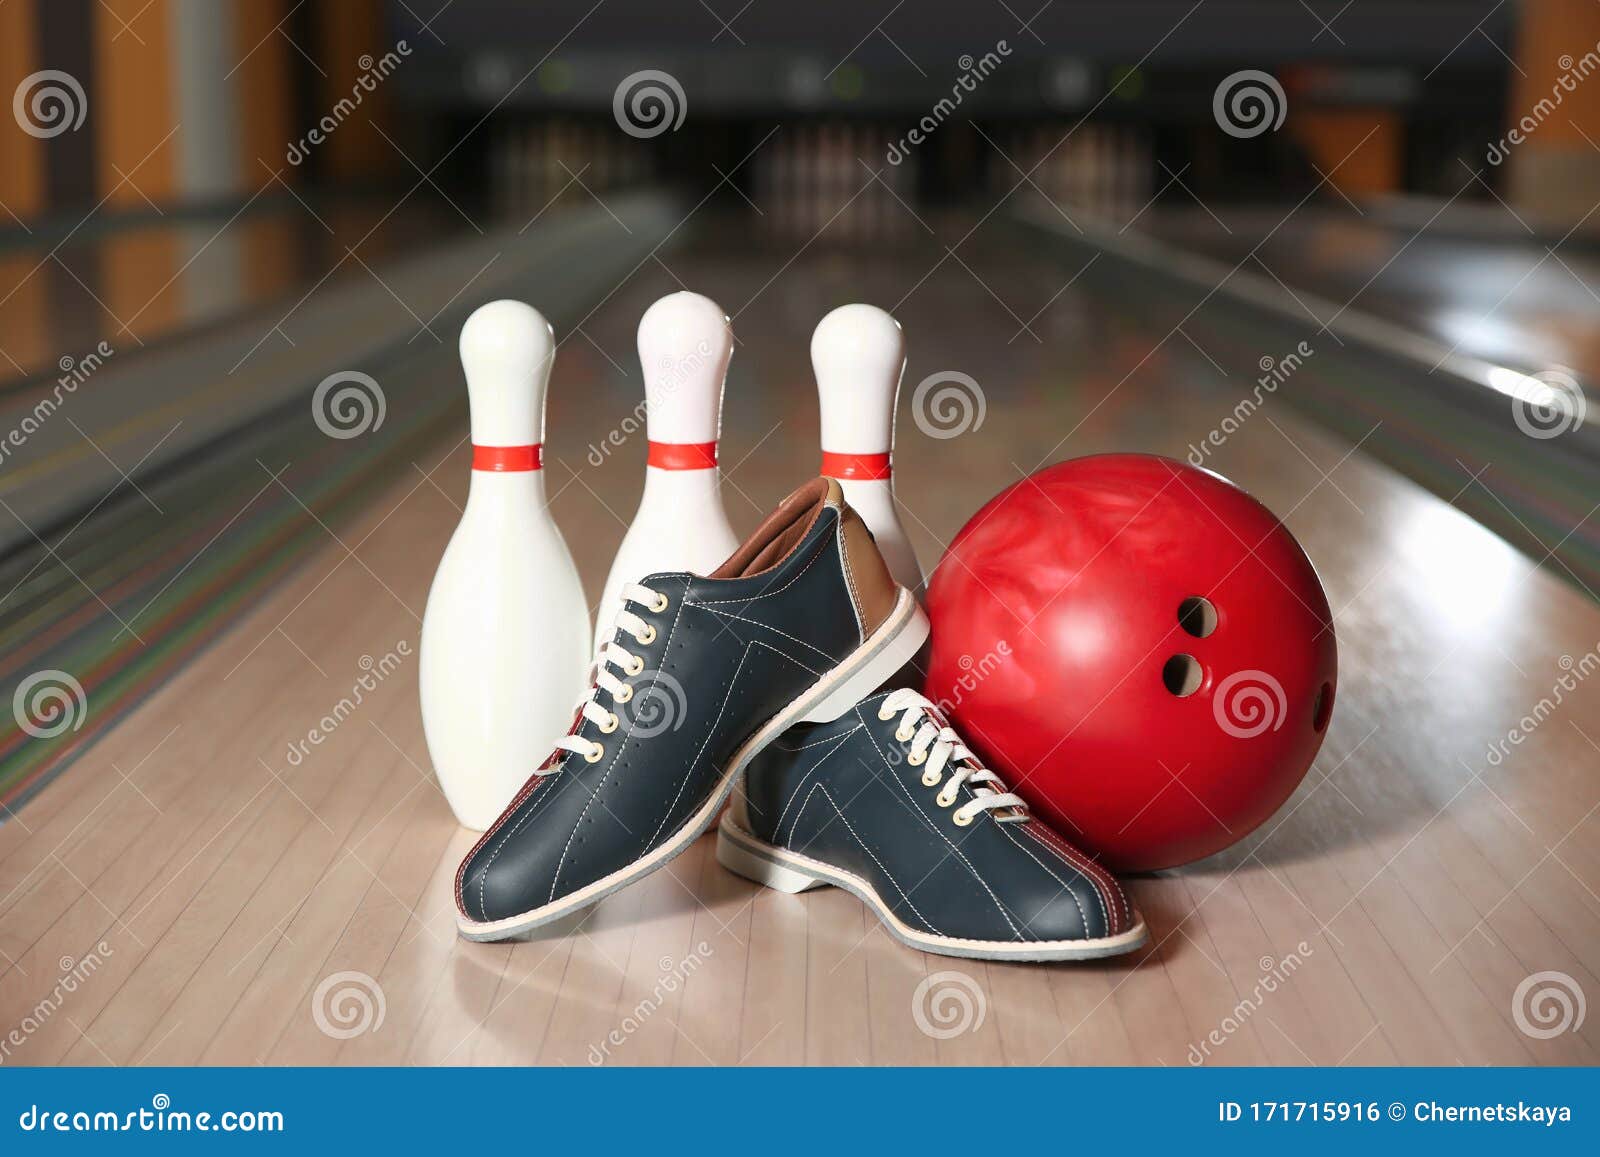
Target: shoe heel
x=893, y=646
x=742, y=862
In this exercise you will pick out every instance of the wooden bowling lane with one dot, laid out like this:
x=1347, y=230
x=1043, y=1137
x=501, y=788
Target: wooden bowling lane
x=1483, y=322
x=1499, y=295
x=247, y=895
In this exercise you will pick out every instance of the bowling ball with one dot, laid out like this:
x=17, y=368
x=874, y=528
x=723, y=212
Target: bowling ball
x=1140, y=648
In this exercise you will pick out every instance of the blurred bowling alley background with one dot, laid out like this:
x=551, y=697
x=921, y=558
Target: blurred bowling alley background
x=1346, y=255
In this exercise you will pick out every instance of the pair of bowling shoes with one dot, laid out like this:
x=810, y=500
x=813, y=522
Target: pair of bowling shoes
x=764, y=671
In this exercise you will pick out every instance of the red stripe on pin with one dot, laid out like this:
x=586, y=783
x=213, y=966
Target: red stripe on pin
x=866, y=467
x=683, y=455
x=507, y=459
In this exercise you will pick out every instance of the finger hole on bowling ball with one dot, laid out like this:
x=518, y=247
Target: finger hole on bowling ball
x=1323, y=710
x=1182, y=675
x=1197, y=616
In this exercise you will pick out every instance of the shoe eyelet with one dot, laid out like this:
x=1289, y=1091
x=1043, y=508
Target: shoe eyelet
x=903, y=735
x=649, y=635
x=624, y=695
x=637, y=666
x=610, y=724
x=595, y=754
x=885, y=715
x=944, y=800
x=960, y=820
x=931, y=778
x=660, y=604
x=916, y=758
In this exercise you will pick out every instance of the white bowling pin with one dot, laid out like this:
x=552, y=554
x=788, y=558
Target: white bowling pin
x=505, y=635
x=859, y=353
x=685, y=342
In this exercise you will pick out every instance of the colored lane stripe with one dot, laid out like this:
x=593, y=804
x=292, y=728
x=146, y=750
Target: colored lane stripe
x=196, y=605
x=683, y=455
x=508, y=459
x=867, y=467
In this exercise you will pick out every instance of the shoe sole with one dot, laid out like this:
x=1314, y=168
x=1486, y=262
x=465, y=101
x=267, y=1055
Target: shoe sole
x=785, y=871
x=889, y=648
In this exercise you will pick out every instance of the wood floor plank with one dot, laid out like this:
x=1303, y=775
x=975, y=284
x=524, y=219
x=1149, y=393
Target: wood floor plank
x=1339, y=1015
x=387, y=911
x=422, y=947
x=1093, y=1029
x=711, y=1010
x=894, y=976
x=586, y=1005
x=1024, y=1013
x=302, y=825
x=836, y=980
x=773, y=1016
x=1217, y=980
x=1146, y=995
x=664, y=953
x=281, y=941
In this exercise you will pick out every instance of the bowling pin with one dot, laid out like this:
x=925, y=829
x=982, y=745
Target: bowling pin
x=859, y=353
x=685, y=342
x=505, y=636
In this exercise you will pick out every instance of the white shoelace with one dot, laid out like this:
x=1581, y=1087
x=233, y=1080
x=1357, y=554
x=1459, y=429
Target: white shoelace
x=939, y=748
x=615, y=655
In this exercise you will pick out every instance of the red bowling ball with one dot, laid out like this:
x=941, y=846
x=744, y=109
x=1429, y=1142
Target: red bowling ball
x=1140, y=648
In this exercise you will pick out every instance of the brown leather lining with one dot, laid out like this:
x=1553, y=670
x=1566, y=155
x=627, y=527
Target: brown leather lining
x=781, y=532
x=871, y=585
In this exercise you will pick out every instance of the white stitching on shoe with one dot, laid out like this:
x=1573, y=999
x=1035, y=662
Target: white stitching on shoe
x=1080, y=863
x=816, y=787
x=777, y=830
x=814, y=742
x=764, y=626
x=1083, y=916
x=694, y=763
x=917, y=811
